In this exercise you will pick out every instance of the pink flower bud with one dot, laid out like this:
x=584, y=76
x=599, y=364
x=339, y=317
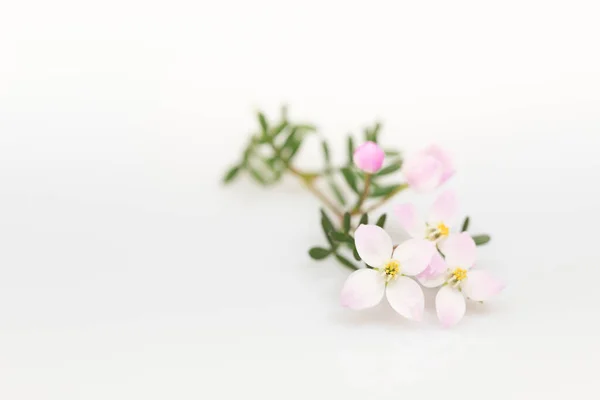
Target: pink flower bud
x=428, y=169
x=369, y=157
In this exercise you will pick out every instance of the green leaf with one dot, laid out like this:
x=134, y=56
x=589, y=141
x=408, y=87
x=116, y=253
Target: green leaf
x=364, y=220
x=279, y=128
x=306, y=127
x=347, y=221
x=325, y=147
x=293, y=149
x=350, y=178
x=381, y=221
x=390, y=169
x=291, y=144
x=465, y=225
x=355, y=254
x=387, y=191
x=319, y=253
x=341, y=237
x=337, y=192
x=257, y=176
x=231, y=174
x=344, y=261
x=350, y=150
x=327, y=226
x=263, y=123
x=371, y=134
x=481, y=239
x=375, y=132
x=391, y=153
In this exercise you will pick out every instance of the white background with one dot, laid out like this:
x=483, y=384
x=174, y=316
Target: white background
x=128, y=272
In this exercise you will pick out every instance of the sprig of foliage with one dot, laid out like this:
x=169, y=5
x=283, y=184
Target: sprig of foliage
x=348, y=193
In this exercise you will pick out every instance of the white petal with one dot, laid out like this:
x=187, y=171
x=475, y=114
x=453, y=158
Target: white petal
x=432, y=282
x=373, y=244
x=459, y=249
x=409, y=220
x=435, y=274
x=406, y=298
x=444, y=208
x=480, y=285
x=450, y=306
x=363, y=289
x=414, y=256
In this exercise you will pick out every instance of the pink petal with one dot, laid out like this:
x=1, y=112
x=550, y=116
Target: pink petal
x=363, y=289
x=423, y=173
x=444, y=208
x=409, y=220
x=444, y=158
x=435, y=274
x=406, y=298
x=450, y=306
x=459, y=249
x=414, y=256
x=369, y=157
x=481, y=286
x=373, y=244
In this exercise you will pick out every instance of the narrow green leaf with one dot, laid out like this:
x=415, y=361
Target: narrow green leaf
x=306, y=127
x=279, y=128
x=337, y=192
x=390, y=169
x=386, y=191
x=257, y=176
x=375, y=131
x=341, y=237
x=481, y=239
x=350, y=150
x=355, y=254
x=325, y=147
x=231, y=174
x=293, y=149
x=347, y=221
x=291, y=144
x=319, y=253
x=327, y=226
x=263, y=123
x=381, y=221
x=350, y=178
x=344, y=261
x=391, y=153
x=465, y=225
x=364, y=219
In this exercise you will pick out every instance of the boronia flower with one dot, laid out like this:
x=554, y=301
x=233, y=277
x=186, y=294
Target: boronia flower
x=390, y=273
x=428, y=169
x=369, y=157
x=438, y=223
x=458, y=280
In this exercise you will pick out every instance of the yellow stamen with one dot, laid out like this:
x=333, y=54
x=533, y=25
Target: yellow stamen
x=443, y=229
x=459, y=274
x=391, y=268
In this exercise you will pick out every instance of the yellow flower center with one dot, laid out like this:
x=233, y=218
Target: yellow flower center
x=391, y=269
x=459, y=274
x=443, y=229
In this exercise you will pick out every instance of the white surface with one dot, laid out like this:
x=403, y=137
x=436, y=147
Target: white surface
x=127, y=272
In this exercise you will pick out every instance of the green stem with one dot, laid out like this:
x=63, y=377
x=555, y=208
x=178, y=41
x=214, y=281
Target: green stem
x=363, y=196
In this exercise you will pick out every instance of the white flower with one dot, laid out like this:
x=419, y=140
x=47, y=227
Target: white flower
x=390, y=274
x=459, y=280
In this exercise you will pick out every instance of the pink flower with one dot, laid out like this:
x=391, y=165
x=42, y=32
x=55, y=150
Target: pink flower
x=438, y=223
x=369, y=157
x=391, y=267
x=458, y=280
x=428, y=169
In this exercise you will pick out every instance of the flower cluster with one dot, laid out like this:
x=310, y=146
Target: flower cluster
x=438, y=254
